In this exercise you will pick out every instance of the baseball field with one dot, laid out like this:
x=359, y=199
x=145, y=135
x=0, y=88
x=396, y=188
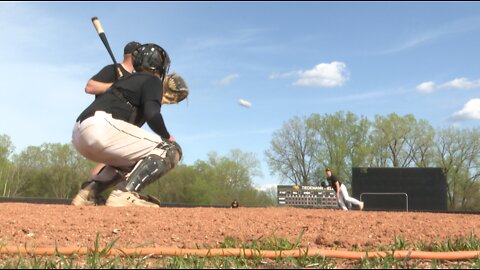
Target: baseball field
x=42, y=225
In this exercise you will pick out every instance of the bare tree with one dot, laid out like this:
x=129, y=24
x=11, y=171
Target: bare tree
x=458, y=154
x=291, y=152
x=341, y=141
x=401, y=141
x=421, y=143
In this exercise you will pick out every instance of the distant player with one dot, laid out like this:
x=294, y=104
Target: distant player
x=341, y=191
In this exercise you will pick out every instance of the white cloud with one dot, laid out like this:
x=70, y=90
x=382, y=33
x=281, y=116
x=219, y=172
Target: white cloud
x=458, y=83
x=471, y=110
x=426, y=87
x=325, y=75
x=461, y=83
x=227, y=80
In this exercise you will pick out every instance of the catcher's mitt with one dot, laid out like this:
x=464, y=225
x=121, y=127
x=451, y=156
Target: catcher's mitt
x=174, y=89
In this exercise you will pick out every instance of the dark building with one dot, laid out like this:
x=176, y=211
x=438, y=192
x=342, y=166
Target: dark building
x=418, y=189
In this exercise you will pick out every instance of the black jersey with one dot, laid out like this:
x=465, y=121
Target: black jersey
x=141, y=93
x=108, y=74
x=332, y=180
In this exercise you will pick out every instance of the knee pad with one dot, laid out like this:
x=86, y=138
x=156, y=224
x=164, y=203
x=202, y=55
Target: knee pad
x=174, y=153
x=168, y=150
x=153, y=167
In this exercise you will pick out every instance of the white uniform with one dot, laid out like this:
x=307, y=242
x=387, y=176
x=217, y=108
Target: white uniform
x=343, y=196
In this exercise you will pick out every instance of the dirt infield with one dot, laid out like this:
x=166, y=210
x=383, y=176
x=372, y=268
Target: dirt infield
x=68, y=226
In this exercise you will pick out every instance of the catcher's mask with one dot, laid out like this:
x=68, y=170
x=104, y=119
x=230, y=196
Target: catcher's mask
x=151, y=57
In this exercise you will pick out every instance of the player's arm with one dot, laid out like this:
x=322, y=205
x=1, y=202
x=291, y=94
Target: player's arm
x=152, y=95
x=99, y=83
x=96, y=88
x=154, y=119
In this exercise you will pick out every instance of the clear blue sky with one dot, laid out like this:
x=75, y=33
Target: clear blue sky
x=286, y=58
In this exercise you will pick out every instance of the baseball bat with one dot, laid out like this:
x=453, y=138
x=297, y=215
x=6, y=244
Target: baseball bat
x=103, y=37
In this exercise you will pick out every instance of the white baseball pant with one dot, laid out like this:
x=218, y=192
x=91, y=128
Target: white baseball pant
x=117, y=143
x=343, y=196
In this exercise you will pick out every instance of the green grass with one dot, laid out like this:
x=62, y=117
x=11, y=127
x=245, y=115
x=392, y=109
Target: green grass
x=98, y=259
x=453, y=244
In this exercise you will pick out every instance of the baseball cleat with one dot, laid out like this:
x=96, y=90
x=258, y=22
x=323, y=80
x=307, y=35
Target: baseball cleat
x=85, y=197
x=120, y=198
x=361, y=205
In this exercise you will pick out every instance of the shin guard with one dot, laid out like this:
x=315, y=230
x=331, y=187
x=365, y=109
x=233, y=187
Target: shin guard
x=152, y=168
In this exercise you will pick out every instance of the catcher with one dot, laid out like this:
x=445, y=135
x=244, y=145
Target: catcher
x=109, y=131
x=100, y=82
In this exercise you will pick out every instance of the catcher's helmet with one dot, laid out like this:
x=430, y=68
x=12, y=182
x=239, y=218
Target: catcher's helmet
x=151, y=57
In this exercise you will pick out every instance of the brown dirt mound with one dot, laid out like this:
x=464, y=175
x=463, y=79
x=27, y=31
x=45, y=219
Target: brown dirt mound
x=69, y=226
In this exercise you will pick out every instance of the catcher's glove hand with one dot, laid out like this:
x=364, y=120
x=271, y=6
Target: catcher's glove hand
x=324, y=184
x=174, y=89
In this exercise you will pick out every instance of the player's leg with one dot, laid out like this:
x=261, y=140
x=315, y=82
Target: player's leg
x=155, y=165
x=122, y=145
x=341, y=201
x=91, y=191
x=344, y=193
x=151, y=157
x=96, y=170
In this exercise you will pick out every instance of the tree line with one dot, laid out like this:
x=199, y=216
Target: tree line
x=298, y=153
x=54, y=170
x=304, y=146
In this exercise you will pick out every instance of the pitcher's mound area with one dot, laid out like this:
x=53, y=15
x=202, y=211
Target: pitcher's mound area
x=43, y=225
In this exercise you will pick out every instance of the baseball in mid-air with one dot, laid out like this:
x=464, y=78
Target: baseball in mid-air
x=245, y=103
